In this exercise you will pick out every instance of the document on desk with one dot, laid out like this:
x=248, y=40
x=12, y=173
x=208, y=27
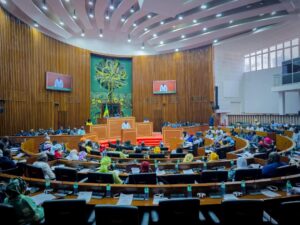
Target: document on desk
x=40, y=198
x=85, y=195
x=160, y=172
x=157, y=198
x=125, y=199
x=189, y=171
x=269, y=193
x=230, y=197
x=85, y=170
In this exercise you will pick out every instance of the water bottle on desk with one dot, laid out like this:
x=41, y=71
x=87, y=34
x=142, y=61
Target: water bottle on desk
x=204, y=166
x=189, y=191
x=289, y=188
x=108, y=193
x=243, y=187
x=155, y=164
x=177, y=166
x=146, y=192
x=47, y=185
x=75, y=188
x=223, y=189
x=231, y=163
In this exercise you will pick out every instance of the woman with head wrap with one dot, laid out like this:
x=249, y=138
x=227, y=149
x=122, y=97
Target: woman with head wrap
x=241, y=163
x=82, y=155
x=42, y=163
x=27, y=211
x=188, y=158
x=104, y=168
x=213, y=156
x=73, y=155
x=145, y=167
x=156, y=150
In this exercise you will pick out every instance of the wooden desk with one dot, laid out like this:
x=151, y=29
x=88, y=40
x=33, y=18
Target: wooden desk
x=114, y=125
x=144, y=129
x=128, y=135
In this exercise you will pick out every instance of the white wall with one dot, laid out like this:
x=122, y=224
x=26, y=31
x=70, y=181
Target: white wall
x=253, y=90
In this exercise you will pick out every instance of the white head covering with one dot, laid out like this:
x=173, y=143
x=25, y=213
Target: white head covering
x=73, y=155
x=241, y=163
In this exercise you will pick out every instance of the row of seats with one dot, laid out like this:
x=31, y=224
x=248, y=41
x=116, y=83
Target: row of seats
x=206, y=176
x=171, y=211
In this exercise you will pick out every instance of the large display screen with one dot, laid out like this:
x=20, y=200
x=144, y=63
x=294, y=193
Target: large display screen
x=164, y=86
x=58, y=82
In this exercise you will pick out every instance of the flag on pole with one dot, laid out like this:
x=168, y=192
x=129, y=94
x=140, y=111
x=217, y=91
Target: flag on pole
x=106, y=111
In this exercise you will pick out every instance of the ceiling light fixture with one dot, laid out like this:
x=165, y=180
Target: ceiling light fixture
x=219, y=15
x=204, y=29
x=91, y=14
x=132, y=10
x=146, y=29
x=161, y=42
x=154, y=35
x=35, y=24
x=254, y=29
x=129, y=39
x=91, y=2
x=100, y=33
x=61, y=23
x=143, y=46
x=44, y=6
x=194, y=21
x=123, y=19
x=106, y=16
x=182, y=36
x=134, y=24
x=216, y=40
x=262, y=14
x=180, y=17
x=111, y=6
x=162, y=22
x=176, y=50
x=203, y=6
x=82, y=34
x=74, y=15
x=231, y=21
x=149, y=16
x=273, y=13
x=67, y=0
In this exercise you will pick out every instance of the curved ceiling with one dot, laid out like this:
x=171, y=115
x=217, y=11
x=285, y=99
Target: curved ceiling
x=140, y=27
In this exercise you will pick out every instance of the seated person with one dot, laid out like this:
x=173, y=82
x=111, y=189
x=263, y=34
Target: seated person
x=266, y=145
x=145, y=167
x=59, y=131
x=6, y=161
x=89, y=146
x=82, y=155
x=126, y=125
x=188, y=158
x=156, y=150
x=41, y=162
x=233, y=132
x=269, y=170
x=209, y=134
x=6, y=142
x=81, y=131
x=46, y=145
x=213, y=156
x=177, y=150
x=105, y=164
x=185, y=136
x=73, y=155
x=241, y=163
x=88, y=122
x=27, y=212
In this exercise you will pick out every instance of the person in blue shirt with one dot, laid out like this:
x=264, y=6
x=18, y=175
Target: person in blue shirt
x=269, y=170
x=211, y=120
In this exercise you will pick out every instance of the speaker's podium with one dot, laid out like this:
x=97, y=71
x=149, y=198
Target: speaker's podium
x=128, y=135
x=114, y=125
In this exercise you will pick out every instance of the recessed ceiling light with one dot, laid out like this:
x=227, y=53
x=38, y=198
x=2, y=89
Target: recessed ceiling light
x=143, y=47
x=82, y=34
x=219, y=15
x=128, y=40
x=111, y=7
x=91, y=15
x=107, y=17
x=146, y=29
x=231, y=21
x=215, y=41
x=134, y=24
x=132, y=10
x=203, y=6
x=162, y=22
x=183, y=36
x=67, y=0
x=74, y=17
x=204, y=29
x=149, y=16
x=254, y=29
x=44, y=7
x=176, y=50
x=36, y=24
x=194, y=21
x=161, y=42
x=91, y=2
x=61, y=23
x=101, y=35
x=154, y=35
x=180, y=17
x=273, y=13
x=123, y=19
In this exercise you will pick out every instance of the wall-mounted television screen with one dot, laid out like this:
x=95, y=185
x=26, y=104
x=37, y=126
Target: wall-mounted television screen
x=164, y=86
x=58, y=82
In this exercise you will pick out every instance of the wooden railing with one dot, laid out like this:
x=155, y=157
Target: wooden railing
x=264, y=118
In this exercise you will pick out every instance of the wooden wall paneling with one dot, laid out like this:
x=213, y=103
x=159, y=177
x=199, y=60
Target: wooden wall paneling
x=26, y=55
x=193, y=73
